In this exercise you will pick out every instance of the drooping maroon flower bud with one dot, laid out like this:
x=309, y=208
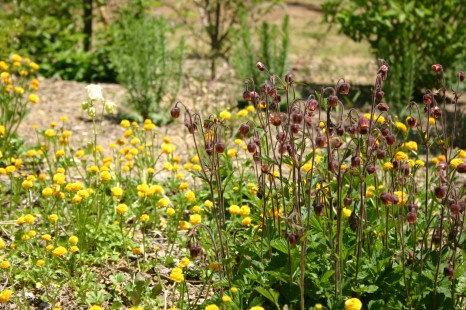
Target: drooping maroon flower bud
x=427, y=99
x=436, y=112
x=297, y=117
x=220, y=147
x=436, y=238
x=273, y=92
x=209, y=148
x=412, y=122
x=386, y=198
x=440, y=191
x=265, y=88
x=175, y=112
x=461, y=168
x=252, y=147
x=449, y=272
x=437, y=68
x=292, y=239
x=343, y=88
x=281, y=136
x=265, y=168
x=275, y=119
x=289, y=78
x=336, y=143
x=254, y=96
x=260, y=66
x=390, y=138
x=244, y=129
x=381, y=153
x=351, y=129
x=413, y=207
x=332, y=101
x=247, y=95
x=277, y=99
x=194, y=251
x=363, y=125
x=340, y=131
x=321, y=141
x=383, y=107
x=319, y=209
x=460, y=76
x=295, y=128
x=312, y=104
x=192, y=128
x=379, y=95
x=455, y=209
x=355, y=161
x=257, y=157
x=383, y=71
x=347, y=201
x=412, y=217
x=385, y=131
x=371, y=169
x=405, y=169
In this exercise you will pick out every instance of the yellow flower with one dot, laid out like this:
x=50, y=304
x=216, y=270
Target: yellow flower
x=122, y=208
x=410, y=146
x=239, y=141
x=40, y=263
x=137, y=251
x=190, y=196
x=105, y=176
x=400, y=126
x=195, y=159
x=347, y=212
x=29, y=219
x=184, y=262
x=60, y=251
x=49, y=247
x=234, y=290
x=401, y=156
x=5, y=264
x=170, y=211
x=419, y=163
x=402, y=197
x=164, y=202
x=232, y=153
x=184, y=225
x=442, y=158
x=246, y=221
x=34, y=66
x=226, y=299
x=307, y=167
x=245, y=210
x=117, y=192
x=387, y=166
x=3, y=66
x=225, y=115
x=5, y=296
x=462, y=154
x=208, y=204
x=28, y=184
x=144, y=218
x=184, y=186
x=74, y=249
x=197, y=209
x=33, y=98
x=46, y=237
x=211, y=307
x=59, y=178
x=95, y=307
x=431, y=121
x=435, y=160
x=177, y=275
x=353, y=304
x=53, y=218
x=19, y=90
x=455, y=162
x=73, y=240
x=257, y=308
x=195, y=219
x=2, y=244
x=197, y=167
x=242, y=113
x=234, y=210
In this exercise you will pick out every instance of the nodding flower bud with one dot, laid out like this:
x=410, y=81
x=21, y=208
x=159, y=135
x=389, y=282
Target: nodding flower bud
x=275, y=119
x=281, y=136
x=312, y=104
x=347, y=201
x=405, y=169
x=220, y=147
x=194, y=251
x=247, y=95
x=254, y=96
x=319, y=209
x=440, y=192
x=340, y=131
x=460, y=76
x=289, y=78
x=427, y=99
x=455, y=209
x=383, y=71
x=343, y=89
x=412, y=217
x=382, y=107
x=390, y=138
x=295, y=128
x=413, y=207
x=336, y=143
x=461, y=168
x=381, y=153
x=371, y=169
x=412, y=122
x=379, y=95
x=386, y=198
x=449, y=272
x=355, y=161
x=297, y=117
x=175, y=112
x=332, y=101
x=244, y=129
x=437, y=68
x=260, y=66
x=321, y=141
x=252, y=147
x=265, y=88
x=436, y=112
x=363, y=125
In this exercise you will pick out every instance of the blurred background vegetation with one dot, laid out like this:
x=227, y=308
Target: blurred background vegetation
x=96, y=40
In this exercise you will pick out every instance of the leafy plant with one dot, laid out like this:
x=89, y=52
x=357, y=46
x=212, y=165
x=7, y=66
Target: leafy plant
x=408, y=34
x=146, y=66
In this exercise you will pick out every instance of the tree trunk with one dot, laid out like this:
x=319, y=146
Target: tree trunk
x=87, y=18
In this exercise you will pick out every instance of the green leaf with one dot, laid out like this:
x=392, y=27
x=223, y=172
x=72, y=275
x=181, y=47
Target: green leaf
x=270, y=294
x=376, y=304
x=280, y=245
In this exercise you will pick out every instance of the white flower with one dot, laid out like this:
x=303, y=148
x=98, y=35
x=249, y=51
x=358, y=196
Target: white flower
x=94, y=92
x=109, y=106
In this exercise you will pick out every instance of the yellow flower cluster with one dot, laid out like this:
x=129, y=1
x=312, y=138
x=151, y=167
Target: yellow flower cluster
x=177, y=275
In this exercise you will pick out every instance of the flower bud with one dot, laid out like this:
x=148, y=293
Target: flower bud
x=412, y=217
x=319, y=209
x=244, y=129
x=281, y=136
x=437, y=68
x=427, y=99
x=412, y=122
x=91, y=112
x=260, y=66
x=347, y=201
x=247, y=95
x=461, y=168
x=297, y=117
x=371, y=169
x=109, y=106
x=379, y=95
x=381, y=153
x=312, y=104
x=321, y=141
x=220, y=147
x=390, y=138
x=363, y=125
x=332, y=101
x=343, y=89
x=386, y=198
x=295, y=128
x=383, y=107
x=460, y=76
x=289, y=78
x=175, y=112
x=449, y=272
x=275, y=119
x=440, y=192
x=85, y=105
x=252, y=147
x=340, y=131
x=355, y=161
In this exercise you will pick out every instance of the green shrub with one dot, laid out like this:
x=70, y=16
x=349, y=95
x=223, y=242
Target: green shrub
x=405, y=33
x=146, y=67
x=273, y=49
